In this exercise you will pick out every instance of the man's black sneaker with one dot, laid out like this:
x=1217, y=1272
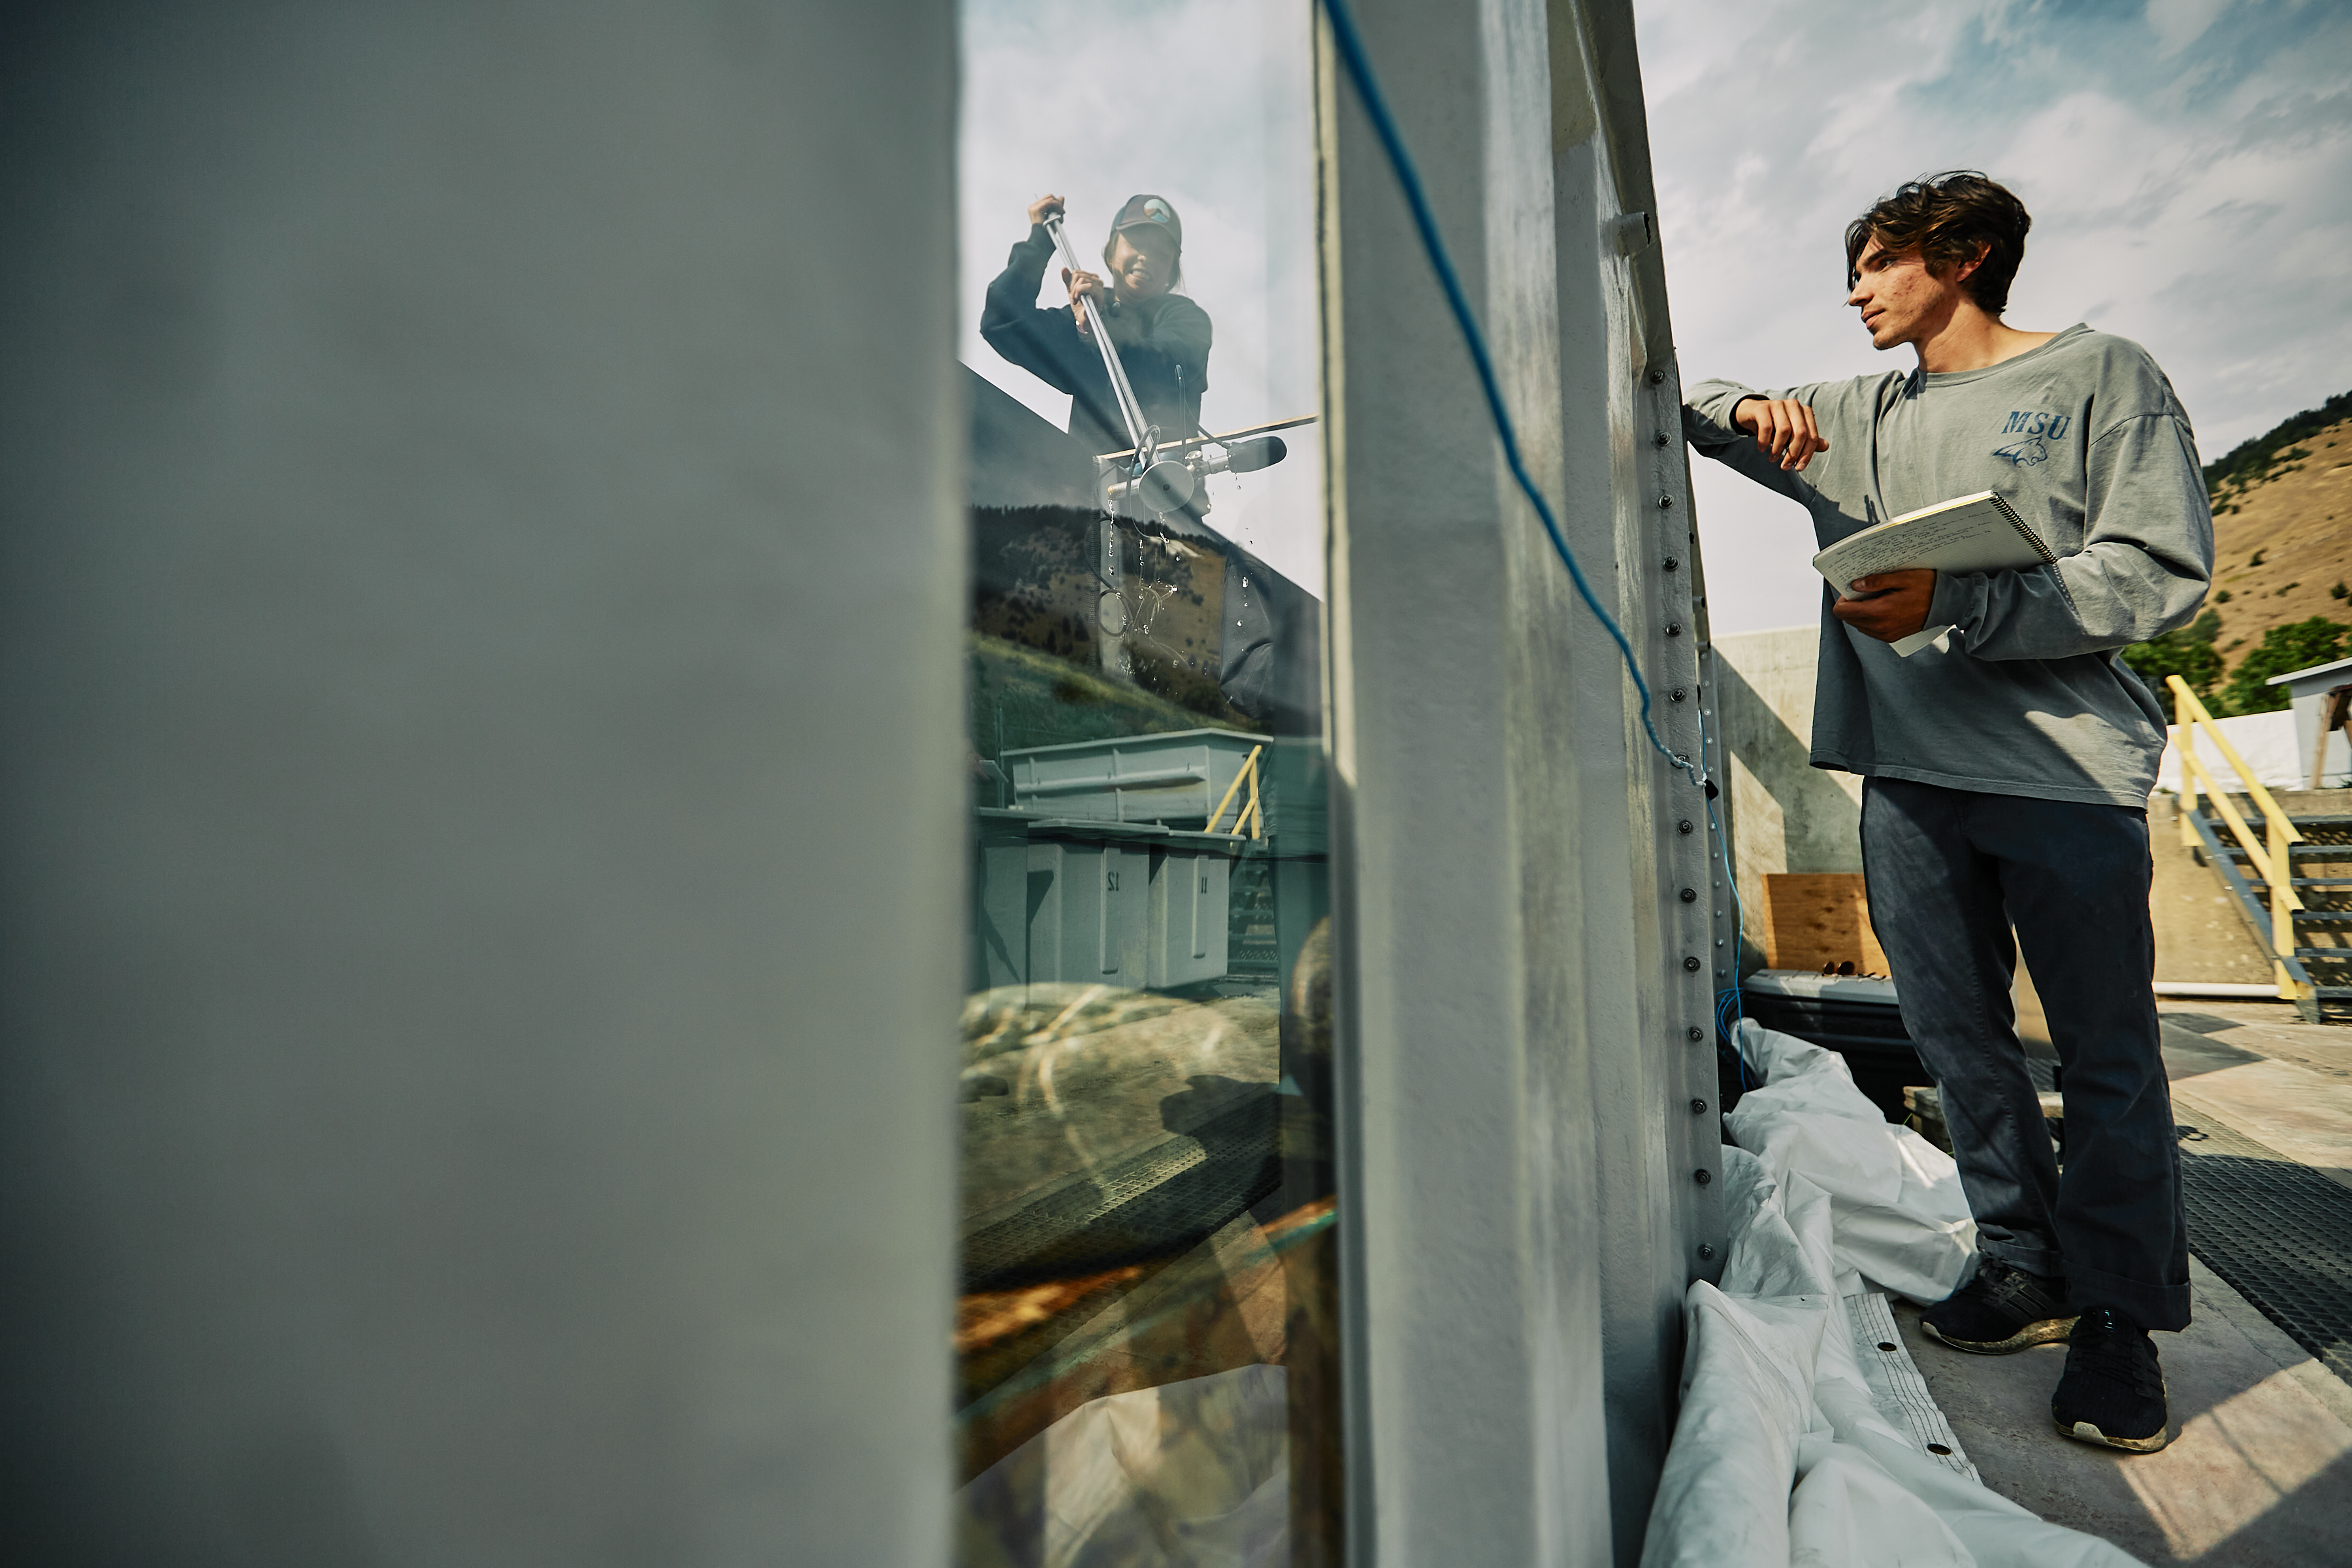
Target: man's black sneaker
x=2112, y=1390
x=2003, y=1309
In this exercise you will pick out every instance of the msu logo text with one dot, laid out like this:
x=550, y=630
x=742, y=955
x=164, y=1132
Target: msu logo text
x=2035, y=427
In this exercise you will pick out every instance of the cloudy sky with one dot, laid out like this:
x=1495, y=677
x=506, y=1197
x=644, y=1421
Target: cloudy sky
x=2189, y=164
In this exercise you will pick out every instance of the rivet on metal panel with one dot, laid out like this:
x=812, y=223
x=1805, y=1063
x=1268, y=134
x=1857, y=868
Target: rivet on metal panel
x=1665, y=502
x=1684, y=825
x=1676, y=695
x=1704, y=1251
x=1698, y=1108
x=1659, y=439
x=1690, y=895
x=1696, y=1032
x=1691, y=963
x=1702, y=1177
x=1657, y=378
x=1672, y=563
x=1674, y=628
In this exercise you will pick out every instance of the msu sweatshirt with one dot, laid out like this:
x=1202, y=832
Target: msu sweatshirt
x=2084, y=438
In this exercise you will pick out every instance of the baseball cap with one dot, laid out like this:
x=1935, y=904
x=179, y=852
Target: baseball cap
x=1149, y=212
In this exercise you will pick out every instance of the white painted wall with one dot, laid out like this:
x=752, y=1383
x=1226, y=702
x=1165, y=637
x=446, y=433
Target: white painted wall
x=2277, y=746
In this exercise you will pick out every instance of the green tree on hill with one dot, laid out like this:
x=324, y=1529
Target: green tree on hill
x=2250, y=462
x=2298, y=644
x=2188, y=653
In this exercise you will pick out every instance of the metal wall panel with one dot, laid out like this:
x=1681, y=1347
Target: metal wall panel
x=1530, y=998
x=483, y=830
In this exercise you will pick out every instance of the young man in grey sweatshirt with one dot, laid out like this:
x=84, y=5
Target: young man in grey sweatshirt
x=2008, y=765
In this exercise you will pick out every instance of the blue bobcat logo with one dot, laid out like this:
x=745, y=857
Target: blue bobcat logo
x=2033, y=426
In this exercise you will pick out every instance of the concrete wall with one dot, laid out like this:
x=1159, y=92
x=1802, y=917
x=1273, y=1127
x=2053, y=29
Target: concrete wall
x=1786, y=813
x=483, y=783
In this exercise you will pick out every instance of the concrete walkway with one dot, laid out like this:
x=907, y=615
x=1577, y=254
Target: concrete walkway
x=2259, y=1068
x=2261, y=1472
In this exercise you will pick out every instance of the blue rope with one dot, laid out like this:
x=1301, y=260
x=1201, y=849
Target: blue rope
x=1730, y=1004
x=1367, y=88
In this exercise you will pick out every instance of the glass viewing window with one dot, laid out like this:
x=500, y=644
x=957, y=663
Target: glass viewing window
x=1146, y=1338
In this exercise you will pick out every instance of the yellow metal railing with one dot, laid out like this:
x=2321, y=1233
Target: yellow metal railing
x=2270, y=858
x=1251, y=812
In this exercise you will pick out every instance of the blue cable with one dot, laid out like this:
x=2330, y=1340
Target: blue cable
x=1738, y=925
x=1367, y=88
x=1359, y=71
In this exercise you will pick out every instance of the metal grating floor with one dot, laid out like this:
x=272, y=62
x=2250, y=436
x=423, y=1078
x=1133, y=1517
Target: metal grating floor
x=2279, y=1232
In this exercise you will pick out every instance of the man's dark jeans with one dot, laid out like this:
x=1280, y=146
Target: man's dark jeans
x=1950, y=872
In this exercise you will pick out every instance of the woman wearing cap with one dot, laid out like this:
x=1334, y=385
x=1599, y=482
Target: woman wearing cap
x=1162, y=338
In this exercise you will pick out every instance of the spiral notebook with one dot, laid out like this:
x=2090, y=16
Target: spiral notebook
x=1973, y=533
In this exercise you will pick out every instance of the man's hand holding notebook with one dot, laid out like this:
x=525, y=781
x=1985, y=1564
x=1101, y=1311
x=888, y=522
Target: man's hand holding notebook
x=1974, y=534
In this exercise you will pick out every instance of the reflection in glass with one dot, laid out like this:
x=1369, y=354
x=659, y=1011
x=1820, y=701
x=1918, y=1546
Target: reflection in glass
x=1146, y=1338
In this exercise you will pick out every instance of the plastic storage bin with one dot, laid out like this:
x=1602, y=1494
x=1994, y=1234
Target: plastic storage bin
x=1176, y=778
x=1107, y=904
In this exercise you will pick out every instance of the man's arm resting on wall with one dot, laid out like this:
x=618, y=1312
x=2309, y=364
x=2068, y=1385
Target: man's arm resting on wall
x=1770, y=437
x=2145, y=562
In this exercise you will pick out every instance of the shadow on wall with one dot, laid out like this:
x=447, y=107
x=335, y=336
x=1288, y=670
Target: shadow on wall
x=1786, y=813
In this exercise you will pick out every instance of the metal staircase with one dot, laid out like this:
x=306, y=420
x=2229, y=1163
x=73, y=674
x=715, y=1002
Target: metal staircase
x=2315, y=966
x=2290, y=875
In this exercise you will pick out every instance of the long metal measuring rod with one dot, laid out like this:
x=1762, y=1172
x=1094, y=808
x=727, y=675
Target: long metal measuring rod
x=1130, y=409
x=1227, y=436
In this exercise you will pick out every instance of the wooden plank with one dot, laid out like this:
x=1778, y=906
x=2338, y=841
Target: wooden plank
x=1817, y=917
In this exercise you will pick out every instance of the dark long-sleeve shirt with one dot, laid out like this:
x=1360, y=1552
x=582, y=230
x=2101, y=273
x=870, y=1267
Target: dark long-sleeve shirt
x=2084, y=438
x=1162, y=343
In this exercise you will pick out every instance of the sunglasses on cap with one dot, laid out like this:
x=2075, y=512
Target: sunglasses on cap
x=1149, y=212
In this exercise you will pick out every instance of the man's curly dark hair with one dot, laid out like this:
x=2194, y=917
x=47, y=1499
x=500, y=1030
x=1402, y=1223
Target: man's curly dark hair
x=1948, y=218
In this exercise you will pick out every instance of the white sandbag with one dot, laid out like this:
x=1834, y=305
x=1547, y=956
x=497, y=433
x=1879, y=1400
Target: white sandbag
x=1848, y=1512
x=1781, y=1233
x=1997, y=1533
x=1784, y=1241
x=1723, y=1497
x=1900, y=1218
x=1869, y=1425
x=1793, y=1447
